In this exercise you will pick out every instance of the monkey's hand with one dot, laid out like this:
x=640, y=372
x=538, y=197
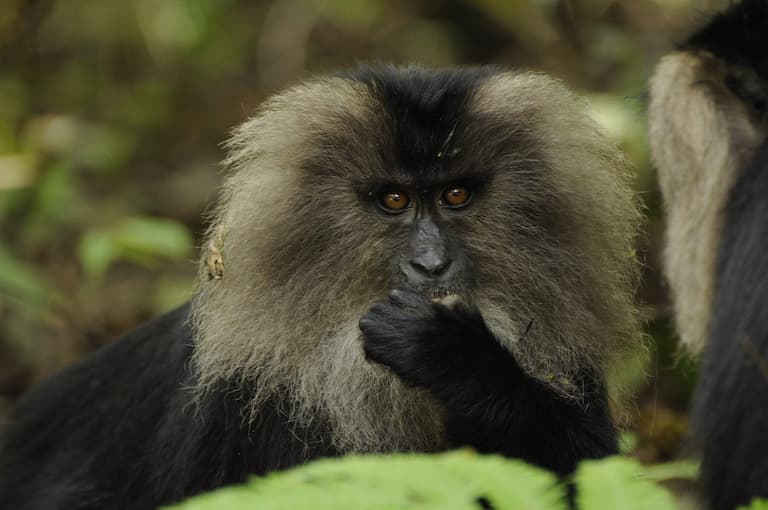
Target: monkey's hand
x=427, y=343
x=489, y=402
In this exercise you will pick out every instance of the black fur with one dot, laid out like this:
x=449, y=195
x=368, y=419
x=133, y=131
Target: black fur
x=739, y=37
x=489, y=402
x=424, y=107
x=730, y=413
x=119, y=429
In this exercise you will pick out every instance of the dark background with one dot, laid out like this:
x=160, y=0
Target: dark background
x=112, y=115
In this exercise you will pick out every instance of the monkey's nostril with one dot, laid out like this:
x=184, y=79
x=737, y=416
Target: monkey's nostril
x=434, y=267
x=442, y=268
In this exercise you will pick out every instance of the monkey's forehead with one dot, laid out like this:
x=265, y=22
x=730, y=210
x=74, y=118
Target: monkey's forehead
x=427, y=124
x=413, y=123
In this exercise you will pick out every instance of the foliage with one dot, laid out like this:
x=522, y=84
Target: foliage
x=757, y=504
x=458, y=480
x=619, y=484
x=19, y=280
x=140, y=239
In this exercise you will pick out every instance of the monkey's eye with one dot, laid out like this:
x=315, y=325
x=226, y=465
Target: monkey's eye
x=455, y=196
x=394, y=201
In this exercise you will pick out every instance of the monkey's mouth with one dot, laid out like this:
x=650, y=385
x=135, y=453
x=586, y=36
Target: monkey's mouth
x=447, y=296
x=436, y=294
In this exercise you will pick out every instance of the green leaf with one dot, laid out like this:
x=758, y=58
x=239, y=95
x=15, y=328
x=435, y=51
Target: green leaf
x=757, y=504
x=618, y=483
x=104, y=148
x=682, y=469
x=96, y=251
x=142, y=236
x=22, y=282
x=58, y=195
x=451, y=481
x=143, y=240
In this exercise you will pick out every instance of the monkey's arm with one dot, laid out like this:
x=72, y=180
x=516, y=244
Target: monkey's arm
x=490, y=403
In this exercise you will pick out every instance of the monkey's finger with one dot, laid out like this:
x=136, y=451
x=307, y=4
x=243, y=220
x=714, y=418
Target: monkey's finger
x=376, y=326
x=408, y=299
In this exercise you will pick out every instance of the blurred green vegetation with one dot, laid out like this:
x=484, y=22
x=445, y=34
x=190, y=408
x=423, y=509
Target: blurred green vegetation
x=112, y=115
x=460, y=480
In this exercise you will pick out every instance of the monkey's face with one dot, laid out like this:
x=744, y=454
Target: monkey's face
x=430, y=256
x=495, y=187
x=441, y=236
x=433, y=258
x=400, y=191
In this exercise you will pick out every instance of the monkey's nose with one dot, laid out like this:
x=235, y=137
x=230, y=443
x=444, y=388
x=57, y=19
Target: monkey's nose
x=428, y=266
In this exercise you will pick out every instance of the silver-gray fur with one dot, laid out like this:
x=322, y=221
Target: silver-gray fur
x=304, y=260
x=701, y=134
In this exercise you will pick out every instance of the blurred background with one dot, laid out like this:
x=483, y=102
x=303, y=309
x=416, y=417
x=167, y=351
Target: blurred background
x=112, y=116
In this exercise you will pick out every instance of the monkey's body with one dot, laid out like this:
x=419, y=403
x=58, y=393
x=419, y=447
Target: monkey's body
x=117, y=430
x=730, y=413
x=708, y=113
x=159, y=448
x=425, y=272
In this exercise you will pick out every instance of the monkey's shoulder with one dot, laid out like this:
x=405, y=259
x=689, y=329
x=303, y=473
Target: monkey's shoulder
x=135, y=368
x=122, y=429
x=79, y=429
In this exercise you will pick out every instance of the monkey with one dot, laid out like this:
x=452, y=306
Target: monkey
x=405, y=259
x=707, y=122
